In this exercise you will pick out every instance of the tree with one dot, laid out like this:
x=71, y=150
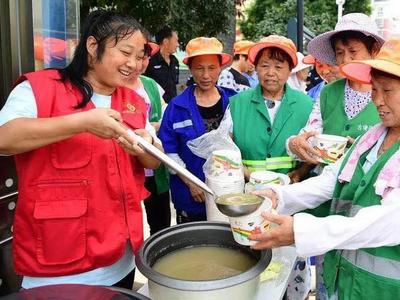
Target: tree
x=265, y=17
x=191, y=18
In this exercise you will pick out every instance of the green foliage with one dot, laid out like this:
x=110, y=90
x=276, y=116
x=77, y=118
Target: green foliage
x=191, y=18
x=265, y=17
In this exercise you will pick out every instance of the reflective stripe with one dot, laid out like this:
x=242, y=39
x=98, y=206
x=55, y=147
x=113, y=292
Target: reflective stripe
x=374, y=264
x=182, y=124
x=354, y=210
x=339, y=205
x=273, y=163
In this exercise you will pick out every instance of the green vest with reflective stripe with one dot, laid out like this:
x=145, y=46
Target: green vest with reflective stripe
x=161, y=173
x=369, y=273
x=336, y=122
x=261, y=143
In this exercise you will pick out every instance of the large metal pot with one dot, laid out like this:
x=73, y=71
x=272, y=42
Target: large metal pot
x=241, y=287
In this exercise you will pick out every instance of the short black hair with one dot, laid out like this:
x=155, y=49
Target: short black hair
x=344, y=36
x=164, y=33
x=275, y=53
x=237, y=56
x=378, y=73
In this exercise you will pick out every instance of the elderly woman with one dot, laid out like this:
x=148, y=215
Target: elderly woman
x=199, y=109
x=361, y=233
x=328, y=73
x=344, y=107
x=264, y=117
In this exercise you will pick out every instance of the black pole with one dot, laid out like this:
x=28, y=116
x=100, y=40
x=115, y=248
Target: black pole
x=300, y=25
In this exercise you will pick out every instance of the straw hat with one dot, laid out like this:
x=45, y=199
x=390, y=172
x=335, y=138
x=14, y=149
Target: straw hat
x=320, y=46
x=274, y=41
x=206, y=46
x=301, y=65
x=387, y=60
x=242, y=47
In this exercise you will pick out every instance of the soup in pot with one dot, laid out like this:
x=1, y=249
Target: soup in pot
x=204, y=263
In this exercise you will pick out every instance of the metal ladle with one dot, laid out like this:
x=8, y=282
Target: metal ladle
x=238, y=210
x=169, y=162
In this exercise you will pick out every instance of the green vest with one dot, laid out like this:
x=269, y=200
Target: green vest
x=336, y=122
x=334, y=118
x=261, y=143
x=150, y=86
x=369, y=273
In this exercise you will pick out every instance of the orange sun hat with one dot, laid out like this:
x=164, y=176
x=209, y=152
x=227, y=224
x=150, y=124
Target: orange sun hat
x=387, y=60
x=242, y=47
x=206, y=46
x=274, y=41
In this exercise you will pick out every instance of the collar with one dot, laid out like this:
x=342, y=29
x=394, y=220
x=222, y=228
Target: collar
x=187, y=99
x=158, y=58
x=287, y=96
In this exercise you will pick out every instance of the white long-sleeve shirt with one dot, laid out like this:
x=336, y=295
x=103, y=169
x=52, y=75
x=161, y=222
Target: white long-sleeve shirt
x=373, y=226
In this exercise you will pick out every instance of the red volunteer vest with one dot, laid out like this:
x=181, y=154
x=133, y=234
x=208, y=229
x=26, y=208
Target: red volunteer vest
x=79, y=199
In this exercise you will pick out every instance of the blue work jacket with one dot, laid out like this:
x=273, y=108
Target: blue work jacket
x=181, y=123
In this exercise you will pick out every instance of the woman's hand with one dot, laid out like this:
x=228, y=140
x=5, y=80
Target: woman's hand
x=300, y=146
x=269, y=193
x=131, y=145
x=104, y=123
x=275, y=236
x=197, y=193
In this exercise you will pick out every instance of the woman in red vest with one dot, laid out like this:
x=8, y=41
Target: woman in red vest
x=81, y=178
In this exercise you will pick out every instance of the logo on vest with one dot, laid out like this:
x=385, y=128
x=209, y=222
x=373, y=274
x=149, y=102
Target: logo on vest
x=130, y=107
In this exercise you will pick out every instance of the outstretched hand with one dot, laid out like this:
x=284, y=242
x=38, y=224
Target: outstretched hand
x=280, y=234
x=300, y=146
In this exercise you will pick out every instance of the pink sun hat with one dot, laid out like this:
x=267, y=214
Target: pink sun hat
x=320, y=47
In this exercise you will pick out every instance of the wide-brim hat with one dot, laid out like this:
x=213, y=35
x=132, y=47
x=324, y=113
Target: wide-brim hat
x=206, y=46
x=300, y=65
x=274, y=41
x=387, y=60
x=242, y=47
x=320, y=46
